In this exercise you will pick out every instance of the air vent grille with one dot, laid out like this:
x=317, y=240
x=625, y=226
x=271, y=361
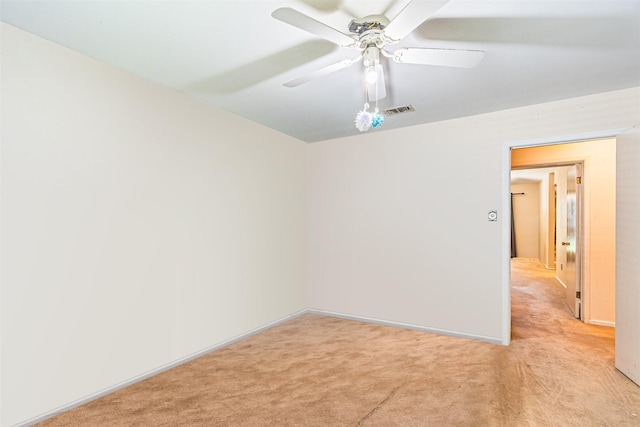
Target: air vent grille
x=399, y=110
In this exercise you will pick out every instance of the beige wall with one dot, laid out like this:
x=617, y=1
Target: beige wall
x=139, y=226
x=561, y=221
x=548, y=221
x=599, y=215
x=527, y=213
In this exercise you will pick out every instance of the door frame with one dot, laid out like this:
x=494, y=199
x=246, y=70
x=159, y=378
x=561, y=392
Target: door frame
x=506, y=207
x=582, y=245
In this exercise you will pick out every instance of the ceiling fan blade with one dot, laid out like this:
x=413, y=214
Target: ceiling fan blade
x=307, y=23
x=409, y=18
x=322, y=72
x=443, y=57
x=377, y=90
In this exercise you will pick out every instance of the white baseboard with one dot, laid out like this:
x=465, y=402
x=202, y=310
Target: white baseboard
x=148, y=374
x=407, y=326
x=178, y=362
x=602, y=323
x=561, y=282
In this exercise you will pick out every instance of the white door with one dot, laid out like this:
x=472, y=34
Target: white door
x=627, y=250
x=572, y=242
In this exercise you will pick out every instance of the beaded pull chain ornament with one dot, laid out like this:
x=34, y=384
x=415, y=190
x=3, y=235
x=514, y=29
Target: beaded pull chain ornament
x=377, y=118
x=364, y=119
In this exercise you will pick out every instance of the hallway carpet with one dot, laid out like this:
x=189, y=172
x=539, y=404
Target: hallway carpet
x=323, y=371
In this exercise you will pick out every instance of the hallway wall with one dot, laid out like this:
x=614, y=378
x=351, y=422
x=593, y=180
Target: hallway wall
x=527, y=214
x=548, y=220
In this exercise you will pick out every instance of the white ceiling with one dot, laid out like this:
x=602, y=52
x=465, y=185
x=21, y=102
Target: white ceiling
x=234, y=55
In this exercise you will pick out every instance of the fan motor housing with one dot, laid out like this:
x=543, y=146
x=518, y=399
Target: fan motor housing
x=371, y=22
x=371, y=56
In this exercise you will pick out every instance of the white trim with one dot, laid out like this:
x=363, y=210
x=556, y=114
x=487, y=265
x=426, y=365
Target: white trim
x=178, y=362
x=148, y=374
x=566, y=139
x=561, y=282
x=506, y=245
x=602, y=323
x=492, y=340
x=506, y=207
x=218, y=346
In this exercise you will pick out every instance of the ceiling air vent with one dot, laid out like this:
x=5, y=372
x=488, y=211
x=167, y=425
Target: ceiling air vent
x=399, y=110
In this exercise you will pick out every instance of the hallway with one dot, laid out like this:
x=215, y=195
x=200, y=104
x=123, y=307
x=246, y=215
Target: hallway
x=538, y=308
x=568, y=365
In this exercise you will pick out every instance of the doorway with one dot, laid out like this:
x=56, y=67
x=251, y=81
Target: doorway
x=624, y=248
x=546, y=225
x=596, y=237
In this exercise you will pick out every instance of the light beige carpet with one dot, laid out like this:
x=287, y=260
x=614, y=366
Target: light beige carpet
x=324, y=371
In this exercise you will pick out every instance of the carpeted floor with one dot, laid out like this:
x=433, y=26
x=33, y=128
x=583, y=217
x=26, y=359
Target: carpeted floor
x=324, y=371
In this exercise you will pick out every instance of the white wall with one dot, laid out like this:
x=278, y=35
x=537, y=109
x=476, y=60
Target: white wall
x=398, y=218
x=138, y=226
x=526, y=215
x=627, y=248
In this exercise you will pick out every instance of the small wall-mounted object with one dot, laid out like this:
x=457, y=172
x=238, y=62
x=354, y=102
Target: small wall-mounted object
x=493, y=215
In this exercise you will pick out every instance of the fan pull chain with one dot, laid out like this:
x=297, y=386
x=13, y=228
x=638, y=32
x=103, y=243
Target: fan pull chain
x=377, y=118
x=365, y=119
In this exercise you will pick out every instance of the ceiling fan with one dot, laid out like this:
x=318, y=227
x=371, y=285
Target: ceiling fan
x=371, y=35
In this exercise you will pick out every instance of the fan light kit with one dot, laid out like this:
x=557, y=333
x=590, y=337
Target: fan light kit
x=371, y=35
